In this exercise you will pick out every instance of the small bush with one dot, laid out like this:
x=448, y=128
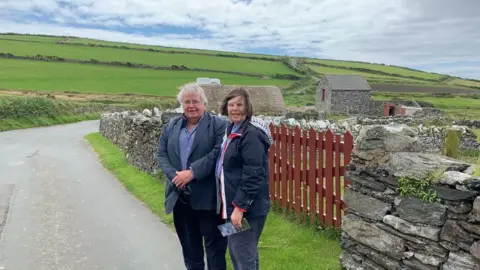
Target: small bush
x=22, y=107
x=424, y=104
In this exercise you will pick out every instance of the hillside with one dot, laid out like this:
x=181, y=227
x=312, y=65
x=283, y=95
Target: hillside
x=49, y=63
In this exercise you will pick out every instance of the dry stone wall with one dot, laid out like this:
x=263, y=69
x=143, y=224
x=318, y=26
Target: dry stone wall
x=137, y=134
x=432, y=137
x=383, y=229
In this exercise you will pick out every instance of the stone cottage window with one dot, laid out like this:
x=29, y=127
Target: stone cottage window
x=323, y=94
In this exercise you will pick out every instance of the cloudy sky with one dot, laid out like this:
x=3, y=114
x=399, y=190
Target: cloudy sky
x=433, y=35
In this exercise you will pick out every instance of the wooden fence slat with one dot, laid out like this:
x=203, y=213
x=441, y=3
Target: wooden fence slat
x=304, y=171
x=290, y=170
x=329, y=178
x=278, y=163
x=342, y=168
x=312, y=179
x=271, y=165
x=283, y=139
x=338, y=193
x=297, y=170
x=320, y=175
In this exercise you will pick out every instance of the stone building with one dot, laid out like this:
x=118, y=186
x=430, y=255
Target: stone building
x=338, y=94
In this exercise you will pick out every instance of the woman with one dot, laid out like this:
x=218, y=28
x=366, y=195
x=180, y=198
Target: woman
x=242, y=173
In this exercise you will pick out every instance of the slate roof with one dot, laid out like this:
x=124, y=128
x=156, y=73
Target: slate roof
x=347, y=82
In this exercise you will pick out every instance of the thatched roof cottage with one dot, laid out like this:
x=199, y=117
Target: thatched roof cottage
x=266, y=100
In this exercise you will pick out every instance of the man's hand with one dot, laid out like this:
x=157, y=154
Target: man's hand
x=236, y=218
x=183, y=178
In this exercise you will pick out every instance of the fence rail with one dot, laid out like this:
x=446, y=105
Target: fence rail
x=306, y=172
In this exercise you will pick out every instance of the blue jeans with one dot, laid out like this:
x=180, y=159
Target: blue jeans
x=243, y=246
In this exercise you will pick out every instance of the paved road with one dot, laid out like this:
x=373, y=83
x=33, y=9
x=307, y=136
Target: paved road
x=67, y=212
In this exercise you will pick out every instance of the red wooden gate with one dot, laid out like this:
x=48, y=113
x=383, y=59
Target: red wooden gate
x=306, y=172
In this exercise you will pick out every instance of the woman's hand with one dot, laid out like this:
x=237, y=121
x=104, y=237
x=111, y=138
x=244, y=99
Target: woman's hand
x=236, y=218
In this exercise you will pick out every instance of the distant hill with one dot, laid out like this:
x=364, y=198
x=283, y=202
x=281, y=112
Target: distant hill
x=59, y=63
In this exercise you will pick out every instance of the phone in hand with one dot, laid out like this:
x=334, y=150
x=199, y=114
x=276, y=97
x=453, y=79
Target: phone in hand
x=228, y=229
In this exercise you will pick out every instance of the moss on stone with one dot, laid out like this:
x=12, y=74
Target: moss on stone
x=451, y=145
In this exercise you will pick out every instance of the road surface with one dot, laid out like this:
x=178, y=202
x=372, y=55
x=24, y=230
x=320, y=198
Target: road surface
x=65, y=211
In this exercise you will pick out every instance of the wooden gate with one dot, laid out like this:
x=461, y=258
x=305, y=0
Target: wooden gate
x=306, y=172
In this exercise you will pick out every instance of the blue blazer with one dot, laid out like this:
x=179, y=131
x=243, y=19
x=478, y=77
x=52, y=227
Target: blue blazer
x=202, y=158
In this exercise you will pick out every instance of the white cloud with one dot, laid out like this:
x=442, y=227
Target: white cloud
x=399, y=32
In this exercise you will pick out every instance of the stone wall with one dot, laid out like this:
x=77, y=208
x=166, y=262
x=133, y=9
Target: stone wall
x=469, y=123
x=137, y=134
x=432, y=112
x=352, y=102
x=383, y=229
x=431, y=136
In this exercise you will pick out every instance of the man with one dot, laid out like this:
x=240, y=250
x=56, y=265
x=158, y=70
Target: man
x=187, y=154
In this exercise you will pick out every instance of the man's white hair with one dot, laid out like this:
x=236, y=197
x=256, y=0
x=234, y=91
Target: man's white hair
x=192, y=88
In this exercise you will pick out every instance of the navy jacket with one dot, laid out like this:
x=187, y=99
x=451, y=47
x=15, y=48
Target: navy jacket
x=202, y=159
x=245, y=169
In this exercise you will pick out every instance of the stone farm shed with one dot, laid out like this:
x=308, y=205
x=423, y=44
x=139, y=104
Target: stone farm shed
x=337, y=94
x=266, y=100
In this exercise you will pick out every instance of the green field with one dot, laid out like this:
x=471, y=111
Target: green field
x=143, y=57
x=457, y=106
x=90, y=77
x=378, y=67
x=38, y=75
x=141, y=46
x=371, y=77
x=31, y=38
x=466, y=83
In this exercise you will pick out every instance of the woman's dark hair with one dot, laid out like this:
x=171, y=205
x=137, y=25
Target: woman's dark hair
x=242, y=92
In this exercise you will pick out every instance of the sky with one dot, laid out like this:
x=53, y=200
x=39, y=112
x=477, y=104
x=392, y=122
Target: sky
x=432, y=35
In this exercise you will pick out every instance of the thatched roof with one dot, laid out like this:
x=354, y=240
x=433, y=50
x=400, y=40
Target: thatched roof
x=266, y=100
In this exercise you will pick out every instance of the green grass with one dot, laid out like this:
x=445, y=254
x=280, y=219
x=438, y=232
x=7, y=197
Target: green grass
x=31, y=38
x=466, y=83
x=53, y=76
x=384, y=68
x=143, y=186
x=142, y=57
x=371, y=77
x=455, y=106
x=31, y=122
x=454, y=102
x=155, y=47
x=284, y=244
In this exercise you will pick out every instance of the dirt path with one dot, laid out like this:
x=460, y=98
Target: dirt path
x=64, y=211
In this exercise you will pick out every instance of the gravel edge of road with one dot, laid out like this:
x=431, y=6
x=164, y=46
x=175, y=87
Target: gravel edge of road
x=6, y=194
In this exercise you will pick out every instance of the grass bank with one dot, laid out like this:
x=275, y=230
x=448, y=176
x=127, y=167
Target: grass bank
x=284, y=243
x=31, y=122
x=19, y=112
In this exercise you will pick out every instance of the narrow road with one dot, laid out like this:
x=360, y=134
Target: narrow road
x=65, y=211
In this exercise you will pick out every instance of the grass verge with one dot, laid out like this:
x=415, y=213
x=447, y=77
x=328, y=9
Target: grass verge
x=22, y=123
x=285, y=244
